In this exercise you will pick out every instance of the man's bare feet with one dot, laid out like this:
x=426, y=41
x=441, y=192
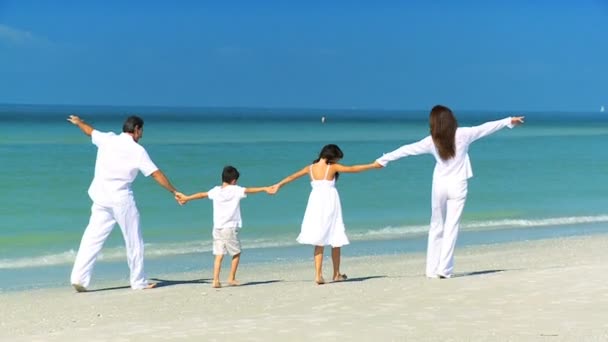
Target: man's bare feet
x=216, y=284
x=233, y=282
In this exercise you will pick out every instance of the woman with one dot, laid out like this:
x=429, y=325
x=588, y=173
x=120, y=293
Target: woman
x=449, y=145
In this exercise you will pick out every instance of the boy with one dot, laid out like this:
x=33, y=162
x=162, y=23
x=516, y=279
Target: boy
x=226, y=220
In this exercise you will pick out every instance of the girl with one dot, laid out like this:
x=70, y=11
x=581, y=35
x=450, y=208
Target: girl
x=322, y=224
x=449, y=145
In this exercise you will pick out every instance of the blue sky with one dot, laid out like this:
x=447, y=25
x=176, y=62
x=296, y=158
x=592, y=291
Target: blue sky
x=496, y=55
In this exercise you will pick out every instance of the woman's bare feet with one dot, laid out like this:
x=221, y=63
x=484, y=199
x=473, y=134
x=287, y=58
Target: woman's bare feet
x=216, y=284
x=79, y=288
x=320, y=281
x=233, y=282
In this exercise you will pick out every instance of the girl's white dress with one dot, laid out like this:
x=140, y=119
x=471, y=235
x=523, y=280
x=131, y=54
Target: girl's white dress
x=322, y=224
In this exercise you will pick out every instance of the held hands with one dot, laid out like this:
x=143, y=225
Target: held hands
x=180, y=198
x=271, y=190
x=517, y=120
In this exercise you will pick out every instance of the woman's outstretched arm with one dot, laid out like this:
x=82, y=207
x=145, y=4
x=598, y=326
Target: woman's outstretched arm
x=421, y=147
x=478, y=132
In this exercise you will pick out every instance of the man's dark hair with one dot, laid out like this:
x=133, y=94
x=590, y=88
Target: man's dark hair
x=131, y=123
x=229, y=174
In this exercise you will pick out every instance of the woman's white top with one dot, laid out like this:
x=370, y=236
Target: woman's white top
x=458, y=167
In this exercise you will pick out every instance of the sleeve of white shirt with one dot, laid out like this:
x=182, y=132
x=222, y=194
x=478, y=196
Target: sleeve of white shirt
x=242, y=193
x=146, y=165
x=478, y=132
x=99, y=138
x=211, y=193
x=423, y=146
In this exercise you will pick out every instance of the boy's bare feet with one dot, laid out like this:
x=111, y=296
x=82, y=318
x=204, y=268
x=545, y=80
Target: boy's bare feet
x=216, y=284
x=320, y=281
x=233, y=282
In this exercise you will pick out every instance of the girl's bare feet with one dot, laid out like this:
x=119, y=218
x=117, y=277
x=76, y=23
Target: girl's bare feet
x=216, y=284
x=340, y=277
x=320, y=281
x=233, y=282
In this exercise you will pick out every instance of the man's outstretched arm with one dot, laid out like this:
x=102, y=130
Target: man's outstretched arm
x=163, y=181
x=85, y=127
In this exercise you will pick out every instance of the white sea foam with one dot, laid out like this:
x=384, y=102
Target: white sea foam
x=406, y=231
x=113, y=254
x=160, y=250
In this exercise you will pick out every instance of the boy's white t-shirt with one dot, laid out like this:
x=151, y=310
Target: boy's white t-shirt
x=226, y=206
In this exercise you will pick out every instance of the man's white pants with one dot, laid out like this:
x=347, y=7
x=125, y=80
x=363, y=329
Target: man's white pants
x=447, y=201
x=101, y=223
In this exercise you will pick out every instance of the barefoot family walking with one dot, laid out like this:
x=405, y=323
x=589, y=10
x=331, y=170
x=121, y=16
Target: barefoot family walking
x=322, y=224
x=226, y=220
x=119, y=159
x=449, y=145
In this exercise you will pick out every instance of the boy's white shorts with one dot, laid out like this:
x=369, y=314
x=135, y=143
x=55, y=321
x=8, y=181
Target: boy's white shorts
x=226, y=240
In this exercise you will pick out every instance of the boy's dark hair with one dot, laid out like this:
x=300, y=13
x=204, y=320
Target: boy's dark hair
x=131, y=123
x=229, y=174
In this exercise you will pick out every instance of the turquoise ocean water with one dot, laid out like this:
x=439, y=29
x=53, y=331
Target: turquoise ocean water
x=545, y=179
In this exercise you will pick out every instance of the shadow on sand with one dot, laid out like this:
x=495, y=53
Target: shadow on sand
x=358, y=279
x=159, y=283
x=167, y=282
x=109, y=288
x=477, y=273
x=251, y=283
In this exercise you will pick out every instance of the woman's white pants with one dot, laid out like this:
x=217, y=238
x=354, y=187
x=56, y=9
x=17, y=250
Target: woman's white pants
x=102, y=221
x=447, y=202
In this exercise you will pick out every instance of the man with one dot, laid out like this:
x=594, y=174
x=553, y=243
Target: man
x=119, y=159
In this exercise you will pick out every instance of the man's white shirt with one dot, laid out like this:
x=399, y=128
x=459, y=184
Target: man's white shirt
x=119, y=159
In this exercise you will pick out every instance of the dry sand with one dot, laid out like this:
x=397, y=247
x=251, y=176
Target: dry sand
x=548, y=290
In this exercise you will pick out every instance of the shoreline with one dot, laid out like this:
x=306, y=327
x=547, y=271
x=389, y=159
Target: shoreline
x=116, y=271
x=543, y=289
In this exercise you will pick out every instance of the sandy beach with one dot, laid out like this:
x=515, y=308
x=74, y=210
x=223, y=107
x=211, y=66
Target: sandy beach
x=546, y=290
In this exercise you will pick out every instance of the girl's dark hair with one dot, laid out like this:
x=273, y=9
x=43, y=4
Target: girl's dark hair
x=332, y=153
x=131, y=123
x=443, y=131
x=229, y=174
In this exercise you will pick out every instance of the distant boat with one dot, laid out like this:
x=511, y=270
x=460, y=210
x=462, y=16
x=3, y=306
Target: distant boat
x=601, y=109
x=323, y=119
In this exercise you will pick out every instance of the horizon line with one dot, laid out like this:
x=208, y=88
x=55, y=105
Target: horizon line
x=152, y=106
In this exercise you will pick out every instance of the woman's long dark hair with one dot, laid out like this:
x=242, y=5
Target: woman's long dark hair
x=443, y=131
x=332, y=153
